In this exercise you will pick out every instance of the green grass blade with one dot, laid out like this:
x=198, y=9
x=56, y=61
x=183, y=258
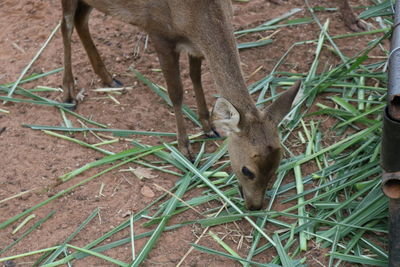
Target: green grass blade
x=36, y=225
x=14, y=86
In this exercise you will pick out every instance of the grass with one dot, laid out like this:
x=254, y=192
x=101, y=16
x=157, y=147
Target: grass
x=339, y=206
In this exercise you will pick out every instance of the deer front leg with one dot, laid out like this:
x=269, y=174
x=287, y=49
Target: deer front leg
x=82, y=28
x=204, y=115
x=169, y=61
x=350, y=19
x=67, y=27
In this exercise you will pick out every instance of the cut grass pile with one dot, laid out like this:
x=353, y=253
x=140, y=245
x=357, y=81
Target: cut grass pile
x=344, y=211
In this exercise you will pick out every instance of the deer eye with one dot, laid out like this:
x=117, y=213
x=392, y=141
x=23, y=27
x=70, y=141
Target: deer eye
x=248, y=173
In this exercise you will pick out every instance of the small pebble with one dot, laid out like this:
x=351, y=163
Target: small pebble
x=147, y=192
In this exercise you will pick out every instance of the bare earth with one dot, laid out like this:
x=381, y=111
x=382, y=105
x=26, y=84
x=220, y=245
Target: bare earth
x=30, y=160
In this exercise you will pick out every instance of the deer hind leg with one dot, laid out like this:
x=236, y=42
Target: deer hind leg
x=350, y=18
x=204, y=115
x=67, y=26
x=82, y=27
x=169, y=61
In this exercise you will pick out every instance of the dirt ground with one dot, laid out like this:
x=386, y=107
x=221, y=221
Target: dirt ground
x=30, y=160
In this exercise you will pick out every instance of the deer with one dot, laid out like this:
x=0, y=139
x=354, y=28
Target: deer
x=203, y=29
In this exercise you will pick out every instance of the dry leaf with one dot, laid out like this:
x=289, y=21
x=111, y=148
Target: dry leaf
x=147, y=192
x=141, y=173
x=126, y=214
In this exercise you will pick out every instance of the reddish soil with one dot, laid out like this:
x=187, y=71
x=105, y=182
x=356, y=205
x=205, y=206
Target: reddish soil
x=30, y=160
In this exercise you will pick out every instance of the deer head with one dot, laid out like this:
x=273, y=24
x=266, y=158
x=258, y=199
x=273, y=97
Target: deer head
x=253, y=143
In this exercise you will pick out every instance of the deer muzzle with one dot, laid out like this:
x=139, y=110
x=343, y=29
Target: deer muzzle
x=253, y=198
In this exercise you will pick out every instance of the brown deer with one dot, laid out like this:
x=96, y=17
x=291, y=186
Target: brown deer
x=203, y=29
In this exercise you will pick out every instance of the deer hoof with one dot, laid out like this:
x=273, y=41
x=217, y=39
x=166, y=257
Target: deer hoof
x=68, y=100
x=71, y=108
x=358, y=26
x=75, y=104
x=212, y=133
x=191, y=159
x=189, y=156
x=115, y=83
x=185, y=151
x=352, y=21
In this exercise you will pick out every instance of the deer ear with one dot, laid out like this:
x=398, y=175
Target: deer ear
x=281, y=107
x=225, y=117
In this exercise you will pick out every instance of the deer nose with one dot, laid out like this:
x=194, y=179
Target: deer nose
x=255, y=207
x=259, y=206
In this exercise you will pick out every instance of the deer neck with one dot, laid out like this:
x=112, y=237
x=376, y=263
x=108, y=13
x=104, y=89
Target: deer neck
x=224, y=63
x=211, y=31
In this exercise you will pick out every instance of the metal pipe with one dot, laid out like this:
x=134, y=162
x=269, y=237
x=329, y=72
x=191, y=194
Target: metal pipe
x=391, y=184
x=390, y=158
x=394, y=233
x=394, y=64
x=391, y=120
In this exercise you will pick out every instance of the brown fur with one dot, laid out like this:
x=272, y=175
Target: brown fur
x=204, y=29
x=349, y=17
